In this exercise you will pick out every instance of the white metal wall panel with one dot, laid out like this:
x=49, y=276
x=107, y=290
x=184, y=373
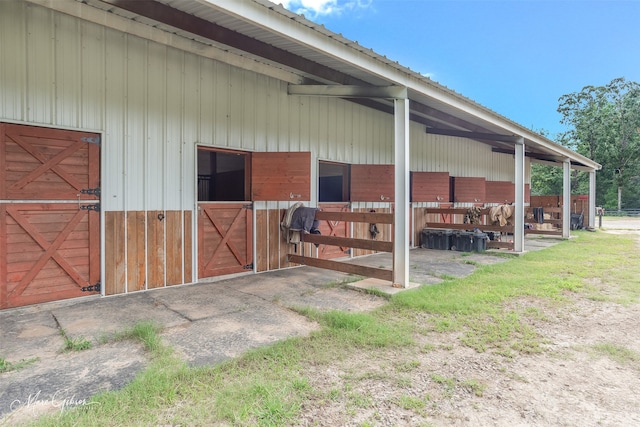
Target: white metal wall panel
x=458, y=156
x=156, y=108
x=135, y=57
x=174, y=120
x=220, y=119
x=191, y=128
x=68, y=71
x=244, y=108
x=12, y=60
x=116, y=136
x=154, y=103
x=40, y=54
x=277, y=130
x=93, y=79
x=298, y=142
x=234, y=112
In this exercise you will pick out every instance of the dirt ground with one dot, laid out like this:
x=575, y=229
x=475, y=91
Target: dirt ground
x=569, y=384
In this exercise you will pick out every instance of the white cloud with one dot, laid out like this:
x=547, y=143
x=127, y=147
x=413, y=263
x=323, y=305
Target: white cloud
x=314, y=8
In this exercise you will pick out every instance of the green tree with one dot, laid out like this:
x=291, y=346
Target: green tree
x=604, y=125
x=545, y=180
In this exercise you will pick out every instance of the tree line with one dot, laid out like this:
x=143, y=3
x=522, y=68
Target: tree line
x=604, y=125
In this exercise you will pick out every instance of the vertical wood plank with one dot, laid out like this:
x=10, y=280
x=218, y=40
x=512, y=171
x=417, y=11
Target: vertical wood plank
x=174, y=247
x=188, y=247
x=282, y=249
x=136, y=257
x=359, y=233
x=249, y=234
x=419, y=222
x=94, y=164
x=114, y=253
x=3, y=162
x=94, y=247
x=200, y=236
x=262, y=240
x=275, y=258
x=155, y=250
x=3, y=255
x=94, y=217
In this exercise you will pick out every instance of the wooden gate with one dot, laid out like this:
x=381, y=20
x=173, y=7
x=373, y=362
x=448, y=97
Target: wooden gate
x=225, y=238
x=334, y=228
x=49, y=214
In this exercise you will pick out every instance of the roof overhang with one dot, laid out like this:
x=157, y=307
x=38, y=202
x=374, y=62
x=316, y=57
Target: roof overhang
x=267, y=38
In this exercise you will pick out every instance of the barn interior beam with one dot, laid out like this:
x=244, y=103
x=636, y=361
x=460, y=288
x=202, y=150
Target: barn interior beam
x=512, y=139
x=548, y=159
x=349, y=91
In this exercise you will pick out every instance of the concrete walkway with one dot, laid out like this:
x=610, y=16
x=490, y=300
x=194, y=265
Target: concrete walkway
x=205, y=323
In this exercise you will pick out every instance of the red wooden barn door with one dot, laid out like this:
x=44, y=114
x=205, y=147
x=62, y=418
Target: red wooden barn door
x=225, y=238
x=49, y=215
x=334, y=228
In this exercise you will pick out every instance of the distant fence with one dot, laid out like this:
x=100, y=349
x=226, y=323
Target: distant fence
x=622, y=212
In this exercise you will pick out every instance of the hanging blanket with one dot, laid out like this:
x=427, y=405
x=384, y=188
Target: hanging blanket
x=297, y=221
x=500, y=214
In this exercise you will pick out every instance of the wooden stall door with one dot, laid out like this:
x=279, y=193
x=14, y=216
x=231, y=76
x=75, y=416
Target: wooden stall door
x=48, y=250
x=225, y=237
x=334, y=228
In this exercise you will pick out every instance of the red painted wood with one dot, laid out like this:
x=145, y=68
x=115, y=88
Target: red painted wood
x=469, y=189
x=334, y=228
x=3, y=254
x=225, y=238
x=49, y=164
x=48, y=251
x=500, y=192
x=430, y=186
x=372, y=183
x=38, y=261
x=280, y=176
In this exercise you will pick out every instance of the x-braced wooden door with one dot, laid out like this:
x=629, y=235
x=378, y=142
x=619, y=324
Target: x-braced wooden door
x=49, y=214
x=225, y=238
x=334, y=228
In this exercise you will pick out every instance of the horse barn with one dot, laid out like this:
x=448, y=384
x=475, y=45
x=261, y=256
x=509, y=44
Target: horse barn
x=153, y=143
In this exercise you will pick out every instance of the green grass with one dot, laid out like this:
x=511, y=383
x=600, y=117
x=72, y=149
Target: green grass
x=6, y=366
x=475, y=304
x=271, y=386
x=450, y=385
x=75, y=343
x=145, y=332
x=619, y=354
x=412, y=403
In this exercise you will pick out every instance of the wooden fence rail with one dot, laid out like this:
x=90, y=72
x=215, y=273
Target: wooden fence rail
x=346, y=242
x=486, y=226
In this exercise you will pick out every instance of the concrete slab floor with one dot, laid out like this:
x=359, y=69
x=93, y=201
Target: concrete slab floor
x=205, y=323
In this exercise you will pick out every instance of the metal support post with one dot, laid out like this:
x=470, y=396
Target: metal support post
x=518, y=230
x=401, y=214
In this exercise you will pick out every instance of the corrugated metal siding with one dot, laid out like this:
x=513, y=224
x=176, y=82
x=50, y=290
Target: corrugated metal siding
x=458, y=156
x=154, y=103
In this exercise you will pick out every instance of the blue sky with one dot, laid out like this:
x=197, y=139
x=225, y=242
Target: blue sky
x=516, y=57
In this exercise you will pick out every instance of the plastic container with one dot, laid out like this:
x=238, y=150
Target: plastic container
x=462, y=241
x=436, y=238
x=577, y=221
x=469, y=241
x=479, y=243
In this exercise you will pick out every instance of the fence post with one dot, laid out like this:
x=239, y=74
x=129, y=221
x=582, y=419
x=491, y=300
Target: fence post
x=599, y=211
